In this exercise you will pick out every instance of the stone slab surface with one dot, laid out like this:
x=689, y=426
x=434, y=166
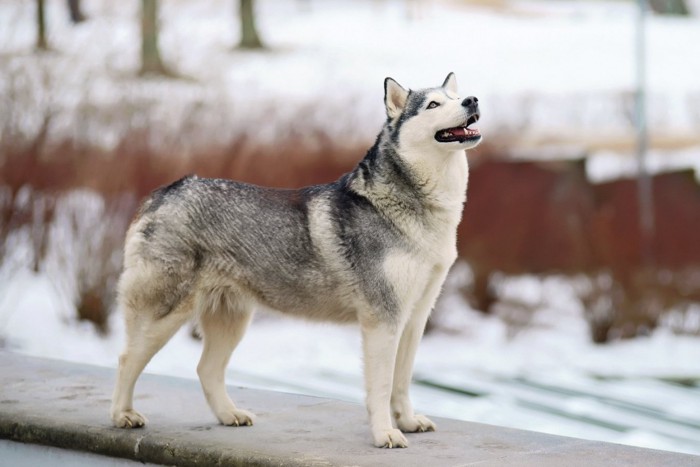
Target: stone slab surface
x=66, y=405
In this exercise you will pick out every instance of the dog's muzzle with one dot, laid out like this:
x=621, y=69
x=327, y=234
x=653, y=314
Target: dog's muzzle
x=463, y=133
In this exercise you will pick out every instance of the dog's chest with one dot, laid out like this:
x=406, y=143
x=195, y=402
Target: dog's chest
x=437, y=242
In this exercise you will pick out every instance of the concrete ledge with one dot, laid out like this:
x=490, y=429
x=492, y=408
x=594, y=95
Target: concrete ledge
x=66, y=405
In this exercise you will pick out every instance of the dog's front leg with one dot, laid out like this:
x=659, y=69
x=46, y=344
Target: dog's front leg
x=401, y=406
x=379, y=344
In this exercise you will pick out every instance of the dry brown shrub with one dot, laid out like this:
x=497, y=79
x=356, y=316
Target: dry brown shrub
x=36, y=175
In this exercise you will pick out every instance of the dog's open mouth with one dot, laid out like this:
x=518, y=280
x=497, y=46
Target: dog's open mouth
x=459, y=133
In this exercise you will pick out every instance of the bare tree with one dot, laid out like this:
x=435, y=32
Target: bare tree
x=151, y=63
x=76, y=16
x=41, y=42
x=249, y=33
x=670, y=7
x=75, y=11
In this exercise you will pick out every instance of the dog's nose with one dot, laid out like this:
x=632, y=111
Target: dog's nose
x=470, y=101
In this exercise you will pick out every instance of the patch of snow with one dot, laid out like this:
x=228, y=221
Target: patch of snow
x=470, y=351
x=538, y=68
x=602, y=166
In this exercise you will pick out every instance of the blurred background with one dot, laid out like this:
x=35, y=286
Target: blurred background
x=574, y=308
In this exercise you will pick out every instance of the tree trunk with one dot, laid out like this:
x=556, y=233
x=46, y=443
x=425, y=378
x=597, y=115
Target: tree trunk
x=76, y=13
x=670, y=7
x=249, y=34
x=41, y=42
x=151, y=62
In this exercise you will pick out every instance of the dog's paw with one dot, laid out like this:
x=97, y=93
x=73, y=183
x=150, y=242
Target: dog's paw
x=415, y=424
x=128, y=419
x=390, y=439
x=236, y=417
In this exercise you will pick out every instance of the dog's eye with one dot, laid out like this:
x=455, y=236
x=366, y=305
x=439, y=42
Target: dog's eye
x=433, y=104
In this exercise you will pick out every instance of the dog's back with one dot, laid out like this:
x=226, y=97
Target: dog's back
x=297, y=251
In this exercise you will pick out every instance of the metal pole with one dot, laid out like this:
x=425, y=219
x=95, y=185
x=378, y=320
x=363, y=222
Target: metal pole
x=644, y=185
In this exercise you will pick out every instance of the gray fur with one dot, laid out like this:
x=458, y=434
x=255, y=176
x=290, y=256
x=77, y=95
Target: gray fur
x=373, y=246
x=260, y=236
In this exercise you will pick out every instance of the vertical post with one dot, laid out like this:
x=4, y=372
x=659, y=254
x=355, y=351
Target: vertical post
x=644, y=182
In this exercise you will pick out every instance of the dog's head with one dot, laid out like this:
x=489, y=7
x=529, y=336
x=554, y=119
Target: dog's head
x=433, y=117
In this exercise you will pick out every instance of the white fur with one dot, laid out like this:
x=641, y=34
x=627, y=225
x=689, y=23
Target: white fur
x=417, y=277
x=395, y=99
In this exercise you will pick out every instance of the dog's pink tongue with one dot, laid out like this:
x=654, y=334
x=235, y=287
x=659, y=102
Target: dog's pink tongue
x=463, y=132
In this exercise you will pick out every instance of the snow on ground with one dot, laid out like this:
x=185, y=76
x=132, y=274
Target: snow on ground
x=607, y=165
x=548, y=377
x=538, y=67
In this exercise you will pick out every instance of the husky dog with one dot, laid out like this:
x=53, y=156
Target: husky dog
x=373, y=247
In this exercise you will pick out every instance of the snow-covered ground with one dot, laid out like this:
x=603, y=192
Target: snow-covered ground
x=544, y=71
x=548, y=377
x=540, y=68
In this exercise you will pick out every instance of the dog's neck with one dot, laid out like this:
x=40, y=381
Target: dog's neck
x=417, y=181
x=443, y=175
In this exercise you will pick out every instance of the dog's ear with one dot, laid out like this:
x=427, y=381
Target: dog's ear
x=450, y=83
x=394, y=98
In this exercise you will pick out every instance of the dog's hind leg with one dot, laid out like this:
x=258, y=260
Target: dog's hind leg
x=146, y=334
x=222, y=330
x=379, y=345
